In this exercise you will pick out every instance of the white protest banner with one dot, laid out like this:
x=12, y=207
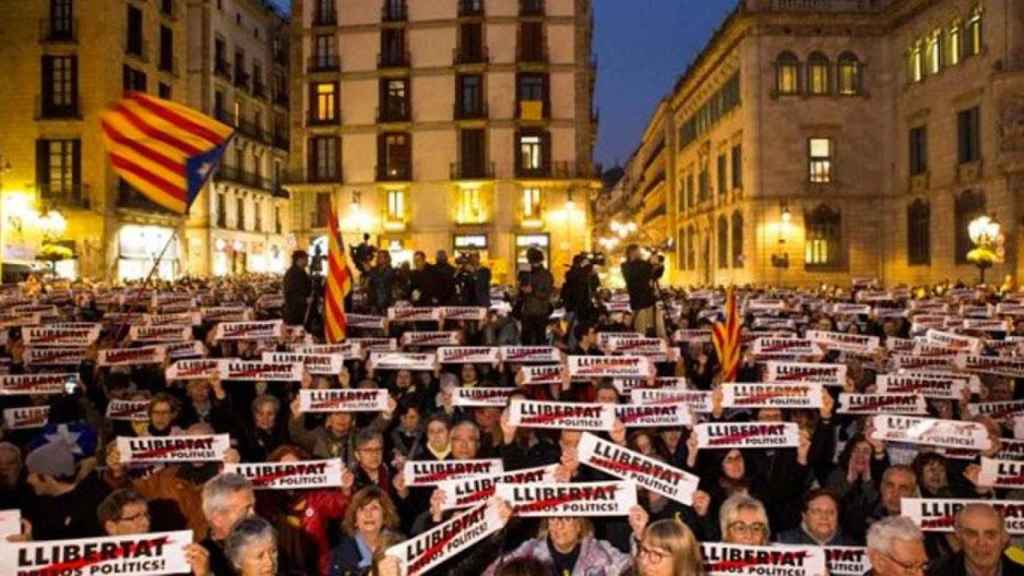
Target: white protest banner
x=469, y=354
x=543, y=374
x=930, y=432
x=847, y=560
x=857, y=343
x=997, y=410
x=476, y=313
x=26, y=417
x=886, y=403
x=986, y=325
x=266, y=371
x=159, y=334
x=1001, y=473
x=421, y=553
x=447, y=338
x=531, y=354
x=191, y=318
x=695, y=335
x=414, y=314
x=320, y=364
x=825, y=374
x=295, y=475
x=198, y=448
x=626, y=385
x=77, y=337
x=375, y=344
x=621, y=462
x=927, y=385
x=610, y=367
x=998, y=365
x=911, y=362
x=365, y=321
x=654, y=415
x=960, y=342
x=432, y=472
x=636, y=346
x=128, y=410
x=972, y=381
x=269, y=301
x=8, y=320
x=900, y=344
x=152, y=554
x=798, y=346
x=1010, y=449
x=771, y=395
x=605, y=338
x=575, y=499
x=934, y=350
x=344, y=400
x=198, y=369
x=473, y=490
x=267, y=330
x=189, y=349
x=496, y=397
x=36, y=357
x=939, y=514
x=747, y=435
x=402, y=361
x=848, y=309
x=347, y=350
x=699, y=401
x=739, y=559
x=44, y=310
x=132, y=356
x=561, y=415
x=10, y=523
x=25, y=384
x=226, y=314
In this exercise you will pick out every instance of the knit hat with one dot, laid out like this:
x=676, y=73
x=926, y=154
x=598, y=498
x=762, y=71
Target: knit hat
x=52, y=459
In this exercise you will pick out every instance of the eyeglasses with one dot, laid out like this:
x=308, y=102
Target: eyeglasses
x=372, y=449
x=912, y=568
x=654, y=555
x=822, y=512
x=747, y=529
x=135, y=517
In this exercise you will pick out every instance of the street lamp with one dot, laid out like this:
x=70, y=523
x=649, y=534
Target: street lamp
x=984, y=233
x=780, y=259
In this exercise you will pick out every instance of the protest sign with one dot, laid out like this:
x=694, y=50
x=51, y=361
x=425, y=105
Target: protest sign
x=447, y=338
x=847, y=560
x=320, y=364
x=473, y=490
x=626, y=385
x=344, y=400
x=26, y=384
x=699, y=401
x=375, y=344
x=769, y=395
x=195, y=448
x=959, y=342
x=739, y=559
x=469, y=354
x=495, y=397
x=256, y=371
x=267, y=330
x=930, y=432
x=152, y=554
x=402, y=361
x=575, y=499
x=198, y=369
x=10, y=523
x=561, y=415
x=996, y=410
x=128, y=410
x=9, y=320
x=347, y=350
x=857, y=343
x=939, y=514
x=927, y=385
x=543, y=374
x=474, y=313
x=132, y=356
x=365, y=321
x=26, y=417
x=908, y=362
x=747, y=435
x=654, y=415
x=627, y=464
x=191, y=318
x=636, y=346
x=39, y=357
x=432, y=472
x=998, y=365
x=609, y=367
x=886, y=403
x=67, y=336
x=796, y=346
x=295, y=475
x=226, y=314
x=159, y=334
x=414, y=314
x=531, y=354
x=188, y=349
x=825, y=374
x=421, y=553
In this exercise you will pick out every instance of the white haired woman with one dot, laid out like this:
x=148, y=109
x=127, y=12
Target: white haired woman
x=251, y=548
x=744, y=521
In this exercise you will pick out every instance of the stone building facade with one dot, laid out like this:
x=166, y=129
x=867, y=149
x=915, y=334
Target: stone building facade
x=451, y=124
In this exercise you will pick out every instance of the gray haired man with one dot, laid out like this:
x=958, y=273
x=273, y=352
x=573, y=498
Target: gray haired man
x=227, y=500
x=896, y=548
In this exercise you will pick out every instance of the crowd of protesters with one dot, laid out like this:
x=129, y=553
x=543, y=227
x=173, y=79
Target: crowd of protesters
x=839, y=487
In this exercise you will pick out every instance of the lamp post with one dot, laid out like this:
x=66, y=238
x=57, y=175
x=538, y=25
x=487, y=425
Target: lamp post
x=780, y=260
x=984, y=233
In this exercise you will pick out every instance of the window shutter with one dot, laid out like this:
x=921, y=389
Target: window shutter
x=545, y=142
x=74, y=84
x=382, y=154
x=47, y=83
x=76, y=167
x=42, y=165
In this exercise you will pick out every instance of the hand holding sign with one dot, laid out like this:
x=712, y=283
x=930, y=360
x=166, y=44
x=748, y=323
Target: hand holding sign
x=199, y=559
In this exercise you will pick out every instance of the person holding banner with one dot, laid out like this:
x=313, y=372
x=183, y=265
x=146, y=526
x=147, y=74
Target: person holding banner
x=227, y=500
x=981, y=531
x=371, y=526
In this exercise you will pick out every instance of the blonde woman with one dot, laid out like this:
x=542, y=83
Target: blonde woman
x=668, y=548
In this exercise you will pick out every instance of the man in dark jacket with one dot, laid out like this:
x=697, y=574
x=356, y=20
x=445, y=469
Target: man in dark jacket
x=297, y=288
x=640, y=276
x=820, y=525
x=442, y=281
x=420, y=280
x=380, y=283
x=535, y=288
x=982, y=533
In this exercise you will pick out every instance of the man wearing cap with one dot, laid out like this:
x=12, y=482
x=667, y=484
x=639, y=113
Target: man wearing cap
x=297, y=289
x=64, y=506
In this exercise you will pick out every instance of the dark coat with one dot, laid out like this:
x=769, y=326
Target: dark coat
x=297, y=288
x=639, y=276
x=954, y=566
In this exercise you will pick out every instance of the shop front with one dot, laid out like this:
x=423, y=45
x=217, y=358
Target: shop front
x=139, y=247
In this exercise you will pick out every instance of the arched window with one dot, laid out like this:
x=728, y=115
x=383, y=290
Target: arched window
x=972, y=44
x=919, y=243
x=915, y=62
x=819, y=77
x=723, y=242
x=824, y=238
x=691, y=249
x=954, y=43
x=737, y=239
x=849, y=74
x=968, y=206
x=933, y=53
x=787, y=74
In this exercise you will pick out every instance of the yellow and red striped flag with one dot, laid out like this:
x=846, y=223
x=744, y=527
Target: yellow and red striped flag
x=726, y=338
x=339, y=283
x=165, y=150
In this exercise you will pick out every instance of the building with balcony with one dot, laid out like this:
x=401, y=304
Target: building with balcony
x=238, y=72
x=66, y=61
x=451, y=124
x=819, y=141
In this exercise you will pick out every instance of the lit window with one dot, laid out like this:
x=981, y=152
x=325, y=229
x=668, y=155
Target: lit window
x=972, y=46
x=823, y=238
x=954, y=44
x=530, y=152
x=820, y=160
x=470, y=209
x=849, y=75
x=916, y=70
x=531, y=202
x=933, y=55
x=818, y=76
x=325, y=101
x=787, y=74
x=396, y=204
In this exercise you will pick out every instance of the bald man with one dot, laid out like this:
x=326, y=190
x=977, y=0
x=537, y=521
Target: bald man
x=983, y=538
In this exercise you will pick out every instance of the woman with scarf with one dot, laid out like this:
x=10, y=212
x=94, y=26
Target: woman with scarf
x=370, y=527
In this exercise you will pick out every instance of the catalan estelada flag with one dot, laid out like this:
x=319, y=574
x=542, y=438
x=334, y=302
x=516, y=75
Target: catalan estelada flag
x=339, y=283
x=726, y=338
x=165, y=150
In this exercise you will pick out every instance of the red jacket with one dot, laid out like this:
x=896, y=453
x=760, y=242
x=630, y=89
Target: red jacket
x=312, y=511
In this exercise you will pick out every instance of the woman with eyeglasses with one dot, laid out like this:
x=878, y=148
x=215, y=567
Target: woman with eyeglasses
x=744, y=521
x=668, y=548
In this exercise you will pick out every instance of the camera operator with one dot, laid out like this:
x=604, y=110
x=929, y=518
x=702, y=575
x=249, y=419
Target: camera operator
x=578, y=292
x=641, y=276
x=297, y=289
x=535, y=288
x=473, y=281
x=380, y=283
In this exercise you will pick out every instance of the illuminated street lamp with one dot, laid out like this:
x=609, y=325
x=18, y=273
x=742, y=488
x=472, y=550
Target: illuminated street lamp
x=984, y=233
